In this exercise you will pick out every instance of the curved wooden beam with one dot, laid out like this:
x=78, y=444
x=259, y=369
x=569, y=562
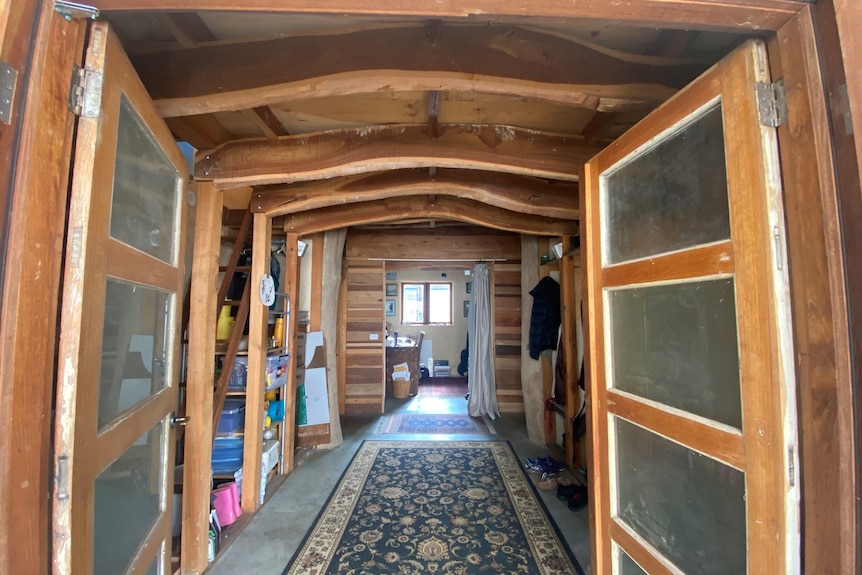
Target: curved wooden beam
x=727, y=14
x=553, y=199
x=500, y=59
x=397, y=209
x=376, y=148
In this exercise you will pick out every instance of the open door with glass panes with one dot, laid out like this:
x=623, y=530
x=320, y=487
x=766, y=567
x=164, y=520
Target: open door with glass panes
x=692, y=405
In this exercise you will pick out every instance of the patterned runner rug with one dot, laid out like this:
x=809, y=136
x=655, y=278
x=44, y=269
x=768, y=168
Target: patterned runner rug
x=434, y=423
x=450, y=507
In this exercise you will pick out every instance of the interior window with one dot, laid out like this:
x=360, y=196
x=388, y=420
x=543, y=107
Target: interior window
x=426, y=303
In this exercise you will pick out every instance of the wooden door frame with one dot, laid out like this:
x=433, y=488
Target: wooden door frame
x=28, y=314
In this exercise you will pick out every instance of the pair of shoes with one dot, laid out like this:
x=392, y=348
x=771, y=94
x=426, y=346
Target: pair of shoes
x=546, y=465
x=578, y=498
x=565, y=492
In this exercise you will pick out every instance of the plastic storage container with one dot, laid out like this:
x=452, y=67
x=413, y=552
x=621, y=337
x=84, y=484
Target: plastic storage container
x=227, y=454
x=276, y=371
x=232, y=417
x=239, y=374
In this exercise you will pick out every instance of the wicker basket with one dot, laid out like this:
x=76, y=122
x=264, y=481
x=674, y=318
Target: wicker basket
x=401, y=388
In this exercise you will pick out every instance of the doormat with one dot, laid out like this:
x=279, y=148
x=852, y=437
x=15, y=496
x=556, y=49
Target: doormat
x=448, y=423
x=434, y=507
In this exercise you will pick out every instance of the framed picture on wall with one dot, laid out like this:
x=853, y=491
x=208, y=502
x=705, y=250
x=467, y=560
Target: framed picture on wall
x=390, y=307
x=391, y=289
x=469, y=287
x=390, y=276
x=466, y=308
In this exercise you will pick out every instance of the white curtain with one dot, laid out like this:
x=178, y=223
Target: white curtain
x=480, y=372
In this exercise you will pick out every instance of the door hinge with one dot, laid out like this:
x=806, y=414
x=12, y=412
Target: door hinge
x=771, y=103
x=791, y=466
x=8, y=80
x=73, y=10
x=85, y=95
x=61, y=477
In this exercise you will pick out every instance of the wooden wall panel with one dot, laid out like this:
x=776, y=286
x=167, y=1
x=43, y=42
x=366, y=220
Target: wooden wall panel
x=363, y=356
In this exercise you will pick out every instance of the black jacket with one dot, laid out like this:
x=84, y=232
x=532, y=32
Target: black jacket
x=545, y=318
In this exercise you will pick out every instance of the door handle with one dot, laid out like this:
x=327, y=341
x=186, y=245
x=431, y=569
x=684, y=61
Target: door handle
x=179, y=421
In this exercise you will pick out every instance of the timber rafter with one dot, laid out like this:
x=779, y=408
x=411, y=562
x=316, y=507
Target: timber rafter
x=727, y=14
x=445, y=208
x=376, y=148
x=499, y=59
x=523, y=194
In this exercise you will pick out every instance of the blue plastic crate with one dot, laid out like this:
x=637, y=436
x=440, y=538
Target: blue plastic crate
x=232, y=417
x=227, y=454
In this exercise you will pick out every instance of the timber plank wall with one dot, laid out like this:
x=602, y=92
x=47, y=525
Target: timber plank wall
x=366, y=279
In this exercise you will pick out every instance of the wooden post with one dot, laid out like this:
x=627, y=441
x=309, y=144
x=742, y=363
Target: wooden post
x=257, y=339
x=291, y=288
x=199, y=381
x=569, y=304
x=316, y=282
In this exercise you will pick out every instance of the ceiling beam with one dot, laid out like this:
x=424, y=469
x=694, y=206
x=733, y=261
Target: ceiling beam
x=187, y=28
x=672, y=43
x=395, y=209
x=268, y=123
x=376, y=148
x=202, y=132
x=499, y=59
x=534, y=196
x=727, y=14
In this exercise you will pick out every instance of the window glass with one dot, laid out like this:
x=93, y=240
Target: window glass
x=412, y=303
x=440, y=300
x=426, y=303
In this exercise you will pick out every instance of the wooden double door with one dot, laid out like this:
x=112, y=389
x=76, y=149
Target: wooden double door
x=693, y=445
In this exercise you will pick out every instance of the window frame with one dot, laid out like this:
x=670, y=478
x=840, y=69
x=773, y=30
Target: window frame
x=426, y=302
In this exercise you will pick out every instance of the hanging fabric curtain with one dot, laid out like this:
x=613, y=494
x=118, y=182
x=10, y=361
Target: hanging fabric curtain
x=480, y=374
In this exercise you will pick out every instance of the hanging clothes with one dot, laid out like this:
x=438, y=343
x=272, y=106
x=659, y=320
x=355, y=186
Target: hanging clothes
x=545, y=317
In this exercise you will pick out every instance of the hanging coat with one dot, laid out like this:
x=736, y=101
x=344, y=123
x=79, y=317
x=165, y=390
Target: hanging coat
x=545, y=317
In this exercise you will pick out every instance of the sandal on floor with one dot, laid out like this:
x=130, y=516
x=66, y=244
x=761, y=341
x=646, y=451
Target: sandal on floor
x=547, y=484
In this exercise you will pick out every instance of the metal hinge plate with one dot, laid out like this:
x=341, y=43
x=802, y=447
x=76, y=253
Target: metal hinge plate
x=85, y=95
x=72, y=10
x=8, y=81
x=771, y=103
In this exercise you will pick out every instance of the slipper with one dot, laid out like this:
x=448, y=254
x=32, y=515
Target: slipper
x=546, y=484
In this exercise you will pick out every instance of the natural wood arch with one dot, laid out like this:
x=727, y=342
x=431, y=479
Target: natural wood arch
x=500, y=59
x=376, y=148
x=445, y=208
x=535, y=196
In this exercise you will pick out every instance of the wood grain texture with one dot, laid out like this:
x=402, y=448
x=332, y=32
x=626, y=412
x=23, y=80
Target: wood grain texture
x=441, y=208
x=257, y=346
x=535, y=196
x=717, y=441
x=729, y=14
x=364, y=357
x=495, y=59
x=506, y=317
x=199, y=378
x=760, y=376
x=288, y=392
x=644, y=554
x=361, y=150
x=823, y=356
x=713, y=259
x=455, y=243
x=37, y=157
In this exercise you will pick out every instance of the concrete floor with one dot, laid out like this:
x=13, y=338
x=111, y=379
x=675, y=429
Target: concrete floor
x=269, y=541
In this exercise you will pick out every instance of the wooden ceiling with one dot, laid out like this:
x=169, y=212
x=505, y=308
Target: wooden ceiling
x=471, y=120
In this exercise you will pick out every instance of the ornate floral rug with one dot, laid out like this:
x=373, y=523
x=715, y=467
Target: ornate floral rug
x=455, y=507
x=434, y=423
x=443, y=387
